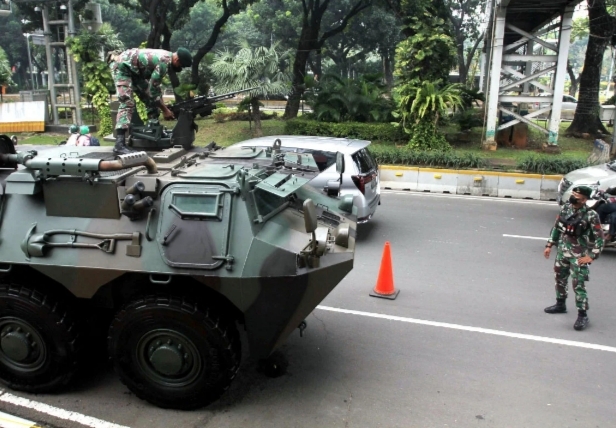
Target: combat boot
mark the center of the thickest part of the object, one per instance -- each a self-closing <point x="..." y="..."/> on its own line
<point x="559" y="308"/>
<point x="120" y="144"/>
<point x="582" y="321"/>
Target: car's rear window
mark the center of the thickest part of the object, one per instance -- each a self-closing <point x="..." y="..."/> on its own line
<point x="322" y="158"/>
<point x="364" y="161"/>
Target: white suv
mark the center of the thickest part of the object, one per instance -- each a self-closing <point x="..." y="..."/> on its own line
<point x="361" y="176"/>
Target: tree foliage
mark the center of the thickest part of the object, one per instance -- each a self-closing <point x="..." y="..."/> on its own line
<point x="5" y="69"/>
<point x="427" y="55"/>
<point x="465" y="17"/>
<point x="86" y="48"/>
<point x="134" y="28"/>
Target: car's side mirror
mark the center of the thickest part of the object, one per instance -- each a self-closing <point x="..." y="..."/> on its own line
<point x="310" y="216"/>
<point x="340" y="163"/>
<point x="332" y="188"/>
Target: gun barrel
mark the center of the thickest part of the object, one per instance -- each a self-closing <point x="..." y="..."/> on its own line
<point x="203" y="104"/>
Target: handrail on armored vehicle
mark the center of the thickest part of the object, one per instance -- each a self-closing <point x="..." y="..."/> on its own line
<point x="76" y="165"/>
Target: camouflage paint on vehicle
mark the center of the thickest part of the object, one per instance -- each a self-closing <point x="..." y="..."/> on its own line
<point x="223" y="231"/>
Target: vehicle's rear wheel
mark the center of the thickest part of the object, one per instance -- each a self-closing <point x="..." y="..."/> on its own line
<point x="172" y="353"/>
<point x="38" y="340"/>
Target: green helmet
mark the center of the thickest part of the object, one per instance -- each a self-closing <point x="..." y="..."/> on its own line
<point x="83" y="129"/>
<point x="73" y="129"/>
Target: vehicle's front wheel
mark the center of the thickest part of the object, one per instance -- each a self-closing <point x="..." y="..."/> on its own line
<point x="172" y="353"/>
<point x="38" y="340"/>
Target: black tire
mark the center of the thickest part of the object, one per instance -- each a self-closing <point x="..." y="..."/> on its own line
<point x="144" y="344"/>
<point x="39" y="340"/>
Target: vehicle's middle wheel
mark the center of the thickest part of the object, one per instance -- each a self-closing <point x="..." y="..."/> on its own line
<point x="173" y="354"/>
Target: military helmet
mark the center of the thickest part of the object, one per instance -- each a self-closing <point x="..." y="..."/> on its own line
<point x="73" y="129"/>
<point x="83" y="129"/>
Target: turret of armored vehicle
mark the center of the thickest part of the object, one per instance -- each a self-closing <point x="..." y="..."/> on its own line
<point x="184" y="248"/>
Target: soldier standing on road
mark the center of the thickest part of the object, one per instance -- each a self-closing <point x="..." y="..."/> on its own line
<point x="142" y="71"/>
<point x="579" y="236"/>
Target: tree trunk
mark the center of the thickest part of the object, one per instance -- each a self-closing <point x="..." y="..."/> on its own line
<point x="463" y="72"/>
<point x="388" y="71"/>
<point x="156" y="14"/>
<point x="299" y="72"/>
<point x="575" y="80"/>
<point x="586" y="119"/>
<point x="228" y="11"/>
<point x="256" y="117"/>
<point x="309" y="40"/>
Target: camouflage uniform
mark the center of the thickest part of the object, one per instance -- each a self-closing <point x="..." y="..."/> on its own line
<point x="586" y="241"/>
<point x="142" y="71"/>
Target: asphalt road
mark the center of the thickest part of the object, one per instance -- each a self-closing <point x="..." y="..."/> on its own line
<point x="465" y="344"/>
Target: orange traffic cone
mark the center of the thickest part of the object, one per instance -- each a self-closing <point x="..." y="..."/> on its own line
<point x="385" y="282"/>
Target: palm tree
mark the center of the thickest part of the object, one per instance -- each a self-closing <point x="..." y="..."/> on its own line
<point x="252" y="67"/>
<point x="431" y="101"/>
<point x="340" y="100"/>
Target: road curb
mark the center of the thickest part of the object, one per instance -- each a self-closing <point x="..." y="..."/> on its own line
<point x="471" y="182"/>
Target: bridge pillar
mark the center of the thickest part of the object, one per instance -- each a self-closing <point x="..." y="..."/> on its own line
<point x="516" y="59"/>
<point x="564" y="36"/>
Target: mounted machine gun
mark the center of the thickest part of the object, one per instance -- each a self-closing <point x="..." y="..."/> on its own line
<point x="154" y="136"/>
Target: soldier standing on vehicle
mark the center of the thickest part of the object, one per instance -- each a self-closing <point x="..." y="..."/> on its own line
<point x="142" y="71"/>
<point x="579" y="237"/>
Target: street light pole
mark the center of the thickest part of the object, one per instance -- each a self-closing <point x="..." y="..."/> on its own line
<point x="29" y="58"/>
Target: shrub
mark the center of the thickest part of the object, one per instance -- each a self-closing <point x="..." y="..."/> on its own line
<point x="335" y="99"/>
<point x="382" y="132"/>
<point x="425" y="136"/>
<point x="547" y="164"/>
<point x="467" y="119"/>
<point x="391" y="155"/>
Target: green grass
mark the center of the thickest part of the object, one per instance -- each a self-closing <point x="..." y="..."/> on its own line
<point x="231" y="132"/>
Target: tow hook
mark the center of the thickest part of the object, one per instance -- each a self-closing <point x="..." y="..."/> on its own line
<point x="302" y="326"/>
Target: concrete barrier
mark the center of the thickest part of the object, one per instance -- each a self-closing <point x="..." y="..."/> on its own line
<point x="477" y="183"/>
<point x="402" y="178"/>
<point x="471" y="182"/>
<point x="434" y="180"/>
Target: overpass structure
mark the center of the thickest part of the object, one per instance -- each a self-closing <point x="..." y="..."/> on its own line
<point x="527" y="39"/>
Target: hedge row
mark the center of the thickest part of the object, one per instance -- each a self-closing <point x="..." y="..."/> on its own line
<point x="388" y="155"/>
<point x="385" y="133"/>
<point x="549" y="164"/>
<point x="532" y="163"/>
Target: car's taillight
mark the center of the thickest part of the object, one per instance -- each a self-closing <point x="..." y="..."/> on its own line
<point x="361" y="181"/>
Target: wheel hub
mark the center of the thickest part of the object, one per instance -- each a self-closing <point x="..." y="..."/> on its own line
<point x="21" y="346"/>
<point x="15" y="345"/>
<point x="167" y="359"/>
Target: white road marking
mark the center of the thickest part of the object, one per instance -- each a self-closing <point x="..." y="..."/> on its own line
<point x="525" y="237"/>
<point x="473" y="329"/>
<point x="57" y="412"/>
<point x="469" y="197"/>
<point x="10" y="421"/>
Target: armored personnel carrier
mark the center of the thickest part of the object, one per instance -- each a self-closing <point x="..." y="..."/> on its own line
<point x="186" y="249"/>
